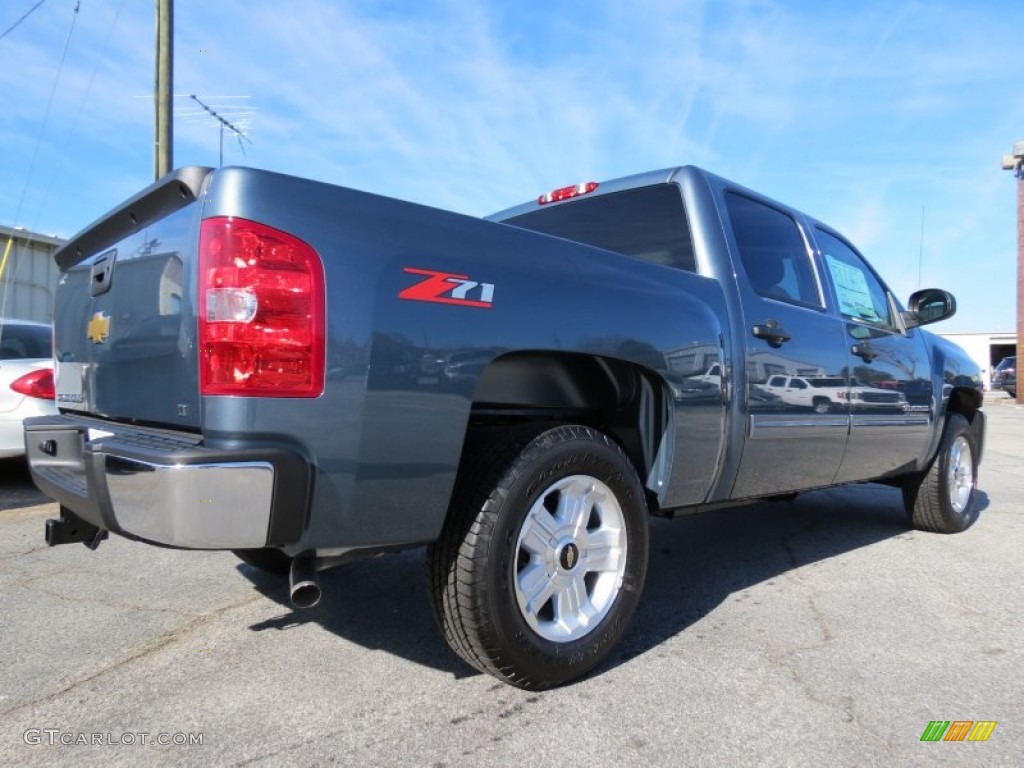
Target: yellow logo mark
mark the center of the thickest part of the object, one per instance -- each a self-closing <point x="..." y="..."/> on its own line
<point x="982" y="730"/>
<point x="99" y="328"/>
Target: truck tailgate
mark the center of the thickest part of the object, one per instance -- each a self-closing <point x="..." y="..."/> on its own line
<point x="125" y="331"/>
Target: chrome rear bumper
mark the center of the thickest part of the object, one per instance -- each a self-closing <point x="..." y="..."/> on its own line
<point x="167" y="488"/>
<point x="202" y="506"/>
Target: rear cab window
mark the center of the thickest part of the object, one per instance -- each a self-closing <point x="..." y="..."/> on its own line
<point x="25" y="342"/>
<point x="647" y="223"/>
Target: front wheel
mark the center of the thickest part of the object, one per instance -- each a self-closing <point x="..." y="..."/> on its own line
<point x="543" y="556"/>
<point x="942" y="498"/>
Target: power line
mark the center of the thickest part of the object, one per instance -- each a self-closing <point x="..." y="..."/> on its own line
<point x="81" y="106"/>
<point x="35" y="154"/>
<point x="46" y="113"/>
<point x="28" y="13"/>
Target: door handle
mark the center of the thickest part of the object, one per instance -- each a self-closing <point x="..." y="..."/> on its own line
<point x="772" y="333"/>
<point x="864" y="352"/>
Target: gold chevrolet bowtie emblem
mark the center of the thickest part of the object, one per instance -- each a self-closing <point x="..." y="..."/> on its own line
<point x="98" y="328"/>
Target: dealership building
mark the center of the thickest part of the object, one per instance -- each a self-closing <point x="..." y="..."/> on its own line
<point x="986" y="349"/>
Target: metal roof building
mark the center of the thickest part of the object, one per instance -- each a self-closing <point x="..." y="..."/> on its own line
<point x="29" y="275"/>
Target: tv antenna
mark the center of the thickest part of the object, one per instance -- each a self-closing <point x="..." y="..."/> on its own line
<point x="241" y="116"/>
<point x="920" y="253"/>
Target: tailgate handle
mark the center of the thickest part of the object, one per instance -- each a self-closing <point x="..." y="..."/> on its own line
<point x="102" y="273"/>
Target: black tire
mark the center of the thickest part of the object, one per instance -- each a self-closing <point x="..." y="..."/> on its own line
<point x="941" y="499"/>
<point x="488" y="553"/>
<point x="269" y="560"/>
<point x="822" y="405"/>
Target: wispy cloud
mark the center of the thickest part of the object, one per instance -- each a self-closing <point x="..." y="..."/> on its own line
<point x="859" y="113"/>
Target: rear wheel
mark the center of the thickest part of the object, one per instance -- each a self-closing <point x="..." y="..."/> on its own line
<point x="269" y="560"/>
<point x="822" y="405"/>
<point x="543" y="555"/>
<point x="942" y="498"/>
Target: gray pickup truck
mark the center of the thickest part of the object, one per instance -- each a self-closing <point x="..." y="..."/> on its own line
<point x="306" y="374"/>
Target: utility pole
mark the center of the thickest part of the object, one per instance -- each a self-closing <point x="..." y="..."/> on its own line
<point x="1015" y="163"/>
<point x="163" y="154"/>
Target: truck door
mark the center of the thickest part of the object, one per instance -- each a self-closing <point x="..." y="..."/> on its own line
<point x="790" y="444"/>
<point x="891" y="398"/>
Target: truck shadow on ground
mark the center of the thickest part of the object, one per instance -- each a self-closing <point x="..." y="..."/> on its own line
<point x="696" y="563"/>
<point x="16" y="487"/>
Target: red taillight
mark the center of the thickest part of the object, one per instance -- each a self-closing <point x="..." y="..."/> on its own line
<point x="261" y="312"/>
<point x="567" y="192"/>
<point x="38" y="383"/>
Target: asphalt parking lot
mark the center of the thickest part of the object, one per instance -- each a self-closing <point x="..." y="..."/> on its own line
<point x="816" y="632"/>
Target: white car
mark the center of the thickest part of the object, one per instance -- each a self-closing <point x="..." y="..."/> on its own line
<point x="26" y="380"/>
<point x="828" y="393"/>
<point x="822" y="393"/>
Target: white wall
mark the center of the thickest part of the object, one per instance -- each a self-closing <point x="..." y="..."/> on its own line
<point x="978" y="346"/>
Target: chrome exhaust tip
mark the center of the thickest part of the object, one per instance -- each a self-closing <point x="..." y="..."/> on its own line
<point x="304" y="582"/>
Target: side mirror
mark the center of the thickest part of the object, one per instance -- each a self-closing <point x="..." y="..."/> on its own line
<point x="929" y="305"/>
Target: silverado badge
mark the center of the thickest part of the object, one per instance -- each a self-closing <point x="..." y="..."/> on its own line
<point x="98" y="328"/>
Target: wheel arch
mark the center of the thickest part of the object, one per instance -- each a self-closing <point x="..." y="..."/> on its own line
<point x="965" y="400"/>
<point x="628" y="401"/>
<point x="956" y="384"/>
<point x="968" y="401"/>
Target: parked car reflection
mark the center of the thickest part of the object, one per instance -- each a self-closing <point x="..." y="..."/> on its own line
<point x="826" y="394"/>
<point x="691" y="388"/>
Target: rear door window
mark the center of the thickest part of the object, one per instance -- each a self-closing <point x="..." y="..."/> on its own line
<point x="774" y="254"/>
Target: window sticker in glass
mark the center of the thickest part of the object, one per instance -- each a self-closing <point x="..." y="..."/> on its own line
<point x="853" y="290"/>
<point x="861" y="295"/>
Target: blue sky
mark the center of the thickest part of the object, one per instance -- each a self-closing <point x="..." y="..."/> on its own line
<point x="862" y="114"/>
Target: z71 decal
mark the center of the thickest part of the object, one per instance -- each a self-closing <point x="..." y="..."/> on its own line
<point x="448" y="288"/>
